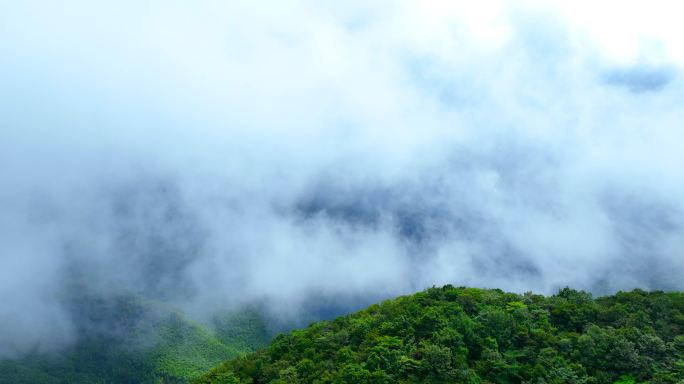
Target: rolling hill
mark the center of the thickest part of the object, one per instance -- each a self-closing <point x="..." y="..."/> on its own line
<point x="466" y="335"/>
<point x="130" y="339"/>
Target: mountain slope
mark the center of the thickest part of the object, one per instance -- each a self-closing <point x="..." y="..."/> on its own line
<point x="463" y="335"/>
<point x="130" y="339"/>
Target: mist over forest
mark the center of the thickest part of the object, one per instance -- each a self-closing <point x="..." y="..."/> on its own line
<point x="318" y="157"/>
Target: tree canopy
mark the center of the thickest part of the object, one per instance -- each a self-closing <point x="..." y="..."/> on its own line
<point x="467" y="335"/>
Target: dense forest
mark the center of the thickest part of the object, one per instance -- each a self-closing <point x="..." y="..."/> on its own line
<point x="466" y="335"/>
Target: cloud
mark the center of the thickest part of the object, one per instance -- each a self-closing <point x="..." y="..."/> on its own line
<point x="639" y="79"/>
<point x="212" y="155"/>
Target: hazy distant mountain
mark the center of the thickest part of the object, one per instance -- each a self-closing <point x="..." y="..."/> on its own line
<point x="129" y="339"/>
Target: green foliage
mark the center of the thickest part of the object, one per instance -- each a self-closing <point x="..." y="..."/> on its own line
<point x="466" y="335"/>
<point x="625" y="380"/>
<point x="139" y="341"/>
<point x="185" y="350"/>
<point x="244" y="329"/>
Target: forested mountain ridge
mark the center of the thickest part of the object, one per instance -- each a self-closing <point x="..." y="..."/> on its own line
<point x="128" y="339"/>
<point x="467" y="335"/>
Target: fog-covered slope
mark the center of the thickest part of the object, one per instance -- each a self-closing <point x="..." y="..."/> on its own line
<point x="129" y="339"/>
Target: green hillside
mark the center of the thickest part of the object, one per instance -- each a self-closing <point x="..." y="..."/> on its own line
<point x="130" y="339"/>
<point x="465" y="335"/>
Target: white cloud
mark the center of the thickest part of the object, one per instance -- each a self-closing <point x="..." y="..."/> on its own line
<point x="249" y="152"/>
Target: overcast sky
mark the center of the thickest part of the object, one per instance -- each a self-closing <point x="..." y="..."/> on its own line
<point x="211" y="154"/>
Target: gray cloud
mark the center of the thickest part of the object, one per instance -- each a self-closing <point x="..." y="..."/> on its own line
<point x="225" y="154"/>
<point x="640" y="78"/>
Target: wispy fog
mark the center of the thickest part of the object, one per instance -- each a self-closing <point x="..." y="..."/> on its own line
<point x="211" y="155"/>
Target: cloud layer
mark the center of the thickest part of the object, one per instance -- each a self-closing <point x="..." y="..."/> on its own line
<point x="210" y="155"/>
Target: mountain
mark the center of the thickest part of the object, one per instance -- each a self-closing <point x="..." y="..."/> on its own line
<point x="466" y="335"/>
<point x="131" y="339"/>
